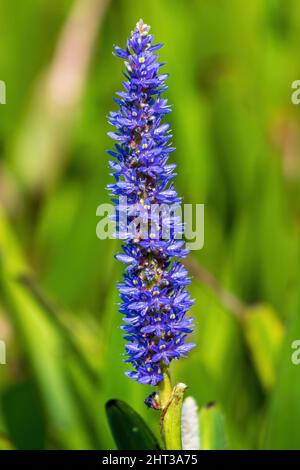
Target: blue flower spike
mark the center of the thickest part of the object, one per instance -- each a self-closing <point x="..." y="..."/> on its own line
<point x="154" y="299"/>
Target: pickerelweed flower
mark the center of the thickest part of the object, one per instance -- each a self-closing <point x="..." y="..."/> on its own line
<point x="154" y="296"/>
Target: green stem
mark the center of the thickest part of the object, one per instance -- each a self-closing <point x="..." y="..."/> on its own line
<point x="171" y="404"/>
<point x="165" y="390"/>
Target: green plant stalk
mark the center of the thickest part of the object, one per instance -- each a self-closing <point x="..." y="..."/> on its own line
<point x="171" y="405"/>
<point x="165" y="390"/>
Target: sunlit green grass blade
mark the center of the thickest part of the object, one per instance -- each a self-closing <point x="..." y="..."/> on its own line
<point x="284" y="407"/>
<point x="212" y="428"/>
<point x="264" y="334"/>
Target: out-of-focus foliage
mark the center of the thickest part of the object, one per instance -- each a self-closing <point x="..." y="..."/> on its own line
<point x="212" y="429"/>
<point x="231" y="66"/>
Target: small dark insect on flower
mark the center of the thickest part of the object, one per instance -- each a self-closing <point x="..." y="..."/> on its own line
<point x="153" y="401"/>
<point x="153" y="293"/>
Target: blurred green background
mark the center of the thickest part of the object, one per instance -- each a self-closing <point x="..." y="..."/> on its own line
<point x="231" y="66"/>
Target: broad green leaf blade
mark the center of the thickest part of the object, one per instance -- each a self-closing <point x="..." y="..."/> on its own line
<point x="212" y="428"/>
<point x="264" y="334"/>
<point x="128" y="428"/>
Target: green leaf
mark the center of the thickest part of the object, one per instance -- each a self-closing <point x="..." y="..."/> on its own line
<point x="24" y="416"/>
<point x="43" y="346"/>
<point x="128" y="428"/>
<point x="5" y="443"/>
<point x="264" y="334"/>
<point x="282" y="431"/>
<point x="212" y="428"/>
